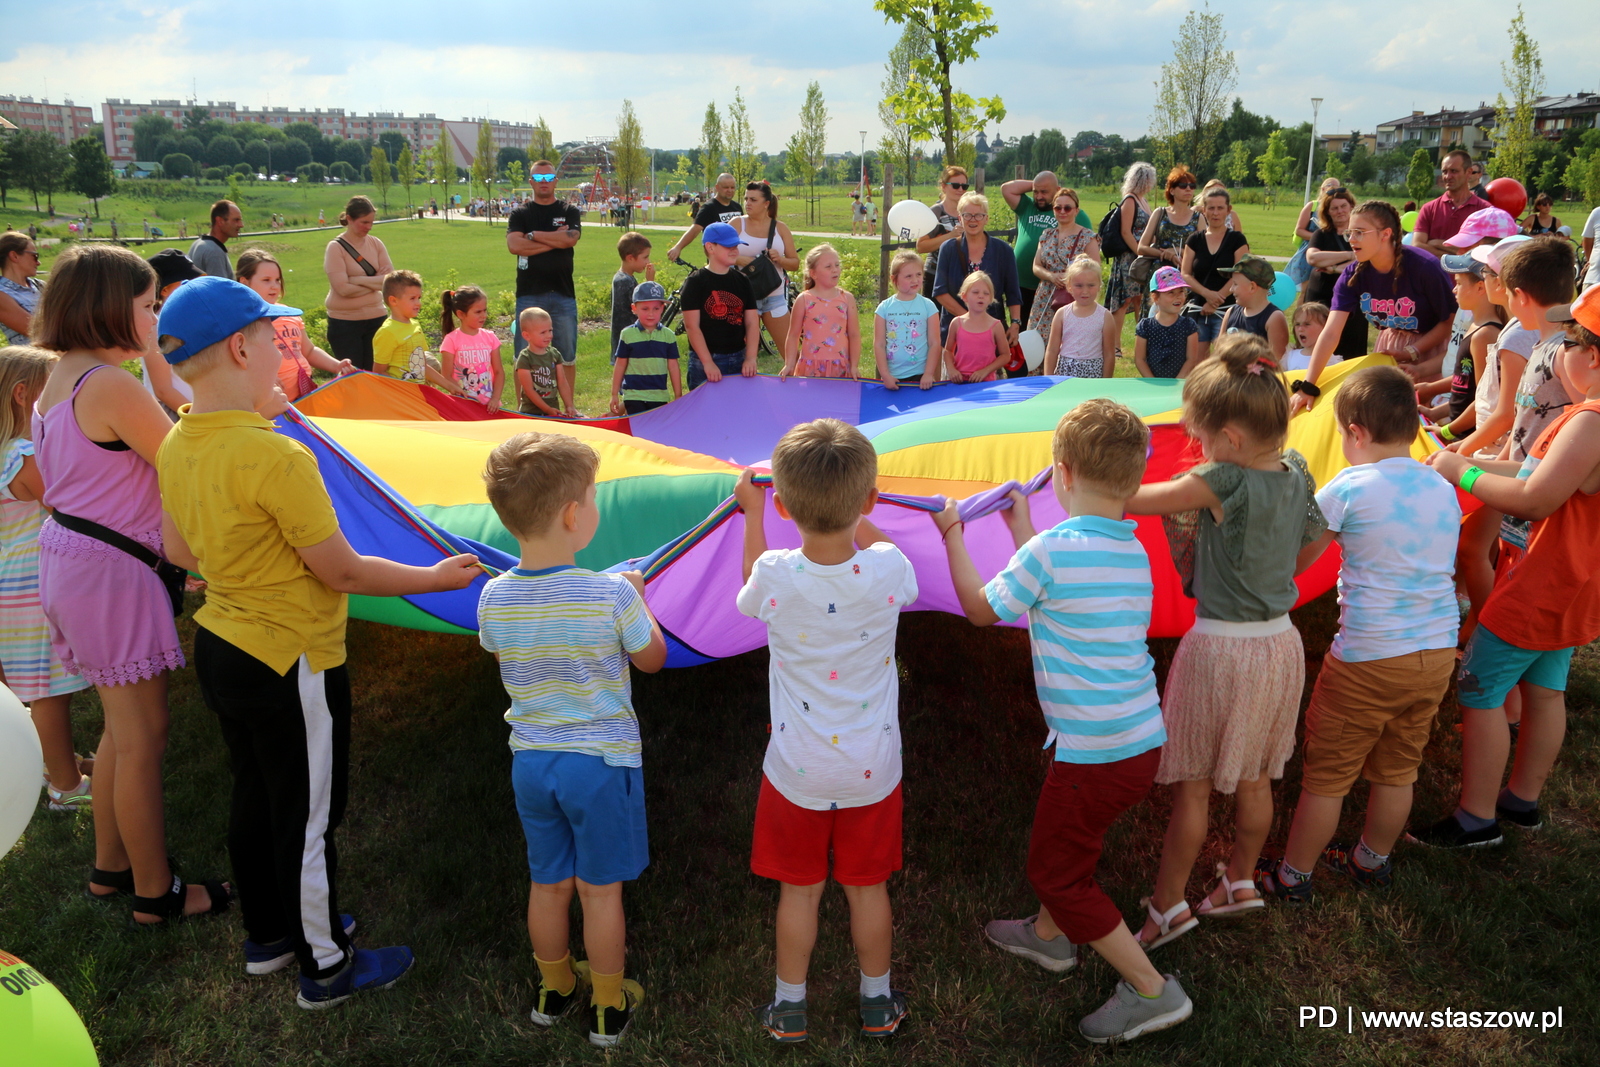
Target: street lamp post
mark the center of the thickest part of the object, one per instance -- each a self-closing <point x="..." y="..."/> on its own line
<point x="1311" y="155"/>
<point x="862" y="185"/>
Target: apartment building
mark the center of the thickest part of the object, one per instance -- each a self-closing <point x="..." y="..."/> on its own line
<point x="66" y="121"/>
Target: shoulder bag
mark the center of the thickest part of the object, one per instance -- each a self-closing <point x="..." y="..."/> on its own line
<point x="1143" y="267"/>
<point x="172" y="576"/>
<point x="360" y="260"/>
<point x="764" y="276"/>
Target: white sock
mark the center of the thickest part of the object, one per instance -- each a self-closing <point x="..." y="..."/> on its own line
<point x="794" y="994"/>
<point x="875" y="987"/>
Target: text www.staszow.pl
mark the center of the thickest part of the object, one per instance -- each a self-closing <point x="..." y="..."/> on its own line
<point x="1325" y="1016"/>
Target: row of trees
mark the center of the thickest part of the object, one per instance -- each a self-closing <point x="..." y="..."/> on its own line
<point x="35" y="161"/>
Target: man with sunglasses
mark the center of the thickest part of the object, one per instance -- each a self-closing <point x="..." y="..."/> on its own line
<point x="1032" y="201"/>
<point x="541" y="234"/>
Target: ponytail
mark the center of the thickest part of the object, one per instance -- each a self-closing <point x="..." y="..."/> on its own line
<point x="457" y="301"/>
<point x="1238" y="384"/>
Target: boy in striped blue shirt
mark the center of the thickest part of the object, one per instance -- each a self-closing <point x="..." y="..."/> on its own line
<point x="564" y="637"/>
<point x="1085" y="587"/>
<point x="646" y="356"/>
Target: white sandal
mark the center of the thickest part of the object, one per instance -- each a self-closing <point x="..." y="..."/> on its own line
<point x="1163" y="921"/>
<point x="1232" y="907"/>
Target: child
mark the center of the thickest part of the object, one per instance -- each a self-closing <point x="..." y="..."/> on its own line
<point x="646" y="356"/>
<point x="901" y="326"/>
<point x="470" y="354"/>
<point x="1310" y="319"/>
<point x="1241" y="526"/>
<point x="535" y="369"/>
<point x="247" y="507"/>
<point x="1253" y="311"/>
<point x="1167" y="343"/>
<point x="1083" y="335"/>
<point x="1546" y="602"/>
<point x="399" y="348"/>
<point x="719" y="311"/>
<point x="1086" y="589"/>
<point x="1472" y="351"/>
<point x="825" y="340"/>
<point x="564" y="637"/>
<point x="634" y="251"/>
<point x="262" y="273"/>
<point x="1376" y="696"/>
<point x="830" y="784"/>
<point x="28" y="666"/>
<point x="975" y="344"/>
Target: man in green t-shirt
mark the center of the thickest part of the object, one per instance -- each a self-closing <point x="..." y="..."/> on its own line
<point x="1032" y="201"/>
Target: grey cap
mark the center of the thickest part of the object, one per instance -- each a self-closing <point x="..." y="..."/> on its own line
<point x="648" y="291"/>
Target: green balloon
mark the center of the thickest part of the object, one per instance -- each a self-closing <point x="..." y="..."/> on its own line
<point x="38" y="1028"/>
<point x="1408" y="221"/>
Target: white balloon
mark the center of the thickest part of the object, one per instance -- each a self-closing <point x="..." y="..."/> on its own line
<point x="911" y="219"/>
<point x="21" y="766"/>
<point x="1032" y="342"/>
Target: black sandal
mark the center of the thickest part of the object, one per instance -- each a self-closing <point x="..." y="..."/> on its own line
<point x="119" y="881"/>
<point x="170" y="905"/>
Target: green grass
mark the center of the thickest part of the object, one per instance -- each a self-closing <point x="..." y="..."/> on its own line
<point x="432" y="856"/>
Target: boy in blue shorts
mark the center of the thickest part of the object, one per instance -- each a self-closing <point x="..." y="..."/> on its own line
<point x="564" y="636"/>
<point x="1085" y="587"/>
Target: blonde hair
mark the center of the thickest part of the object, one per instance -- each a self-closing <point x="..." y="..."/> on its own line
<point x="814" y="257"/>
<point x="1316" y="312"/>
<point x="1138" y="179"/>
<point x="1238" y="385"/>
<point x="528" y="316"/>
<point x="20" y="365"/>
<point x="398" y="280"/>
<point x="970" y="198"/>
<point x="198" y="365"/>
<point x="532" y="476"/>
<point x="903" y="258"/>
<point x="1082" y="264"/>
<point x="824" y="471"/>
<point x="1104" y="444"/>
<point x="973" y="279"/>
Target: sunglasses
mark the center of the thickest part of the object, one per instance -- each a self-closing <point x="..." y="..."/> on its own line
<point x="541" y="177"/>
<point x="1068" y="209"/>
<point x="959" y="185"/>
<point x="1567" y="342"/>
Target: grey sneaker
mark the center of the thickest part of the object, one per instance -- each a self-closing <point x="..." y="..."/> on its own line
<point x="1127" y="1015"/>
<point x="1017" y="937"/>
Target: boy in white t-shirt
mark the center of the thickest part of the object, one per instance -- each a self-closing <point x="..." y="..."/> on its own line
<point x="1376" y="696"/>
<point x="831" y="779"/>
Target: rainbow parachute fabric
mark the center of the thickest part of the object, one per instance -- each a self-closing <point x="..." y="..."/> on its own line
<point x="403" y="465"/>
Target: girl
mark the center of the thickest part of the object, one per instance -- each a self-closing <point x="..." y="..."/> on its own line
<point x="261" y="272"/>
<point x="1472" y="352"/>
<point x="1083" y="340"/>
<point x="470" y="354"/>
<point x="975" y="345"/>
<point x="902" y="326"/>
<point x="826" y="339"/>
<point x="95" y="434"/>
<point x="1309" y="321"/>
<point x="29" y="667"/>
<point x="1241" y="526"/>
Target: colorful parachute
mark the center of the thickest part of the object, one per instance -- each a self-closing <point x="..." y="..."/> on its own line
<point x="403" y="464"/>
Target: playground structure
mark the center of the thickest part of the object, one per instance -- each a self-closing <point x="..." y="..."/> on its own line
<point x="586" y="171"/>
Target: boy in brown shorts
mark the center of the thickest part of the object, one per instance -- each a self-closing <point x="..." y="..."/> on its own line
<point x="1380" y="685"/>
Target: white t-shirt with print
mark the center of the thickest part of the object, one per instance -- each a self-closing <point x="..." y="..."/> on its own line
<point x="835" y="694"/>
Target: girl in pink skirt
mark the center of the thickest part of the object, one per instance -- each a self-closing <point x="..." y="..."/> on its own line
<point x="95" y="435"/>
<point x="1238" y="525"/>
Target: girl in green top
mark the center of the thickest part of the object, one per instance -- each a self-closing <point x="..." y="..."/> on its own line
<point x="1241" y="526"/>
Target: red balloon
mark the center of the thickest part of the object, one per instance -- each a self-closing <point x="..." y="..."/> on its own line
<point x="1508" y="195"/>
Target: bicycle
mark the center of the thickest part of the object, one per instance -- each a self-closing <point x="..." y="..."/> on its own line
<point x="674" y="306"/>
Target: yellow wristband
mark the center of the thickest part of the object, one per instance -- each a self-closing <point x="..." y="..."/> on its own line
<point x="1446" y="434"/>
<point x="1469" y="478"/>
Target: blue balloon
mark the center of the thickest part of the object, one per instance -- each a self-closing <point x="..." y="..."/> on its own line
<point x="1284" y="290"/>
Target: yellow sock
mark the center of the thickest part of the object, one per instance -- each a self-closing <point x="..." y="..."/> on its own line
<point x="558" y="975"/>
<point x="607" y="990"/>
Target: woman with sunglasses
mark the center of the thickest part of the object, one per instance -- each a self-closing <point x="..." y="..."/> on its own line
<point x="953" y="185"/>
<point x="1171" y="226"/>
<point x="19" y="289"/>
<point x="1057" y="249"/>
<point x="973" y="250"/>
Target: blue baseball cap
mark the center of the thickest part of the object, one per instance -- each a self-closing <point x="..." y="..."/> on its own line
<point x="649" y="291"/>
<point x="720" y="233"/>
<point x="207" y="310"/>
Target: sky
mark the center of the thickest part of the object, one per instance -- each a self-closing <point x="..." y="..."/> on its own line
<point x="1068" y="64"/>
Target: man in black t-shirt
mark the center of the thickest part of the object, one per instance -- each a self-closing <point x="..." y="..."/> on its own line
<point x="541" y="234"/>
<point x="719" y="312"/>
<point x="722" y="209"/>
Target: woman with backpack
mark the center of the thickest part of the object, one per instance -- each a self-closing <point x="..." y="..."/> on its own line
<point x="356" y="264"/>
<point x="1169" y="228"/>
<point x="1132" y="216"/>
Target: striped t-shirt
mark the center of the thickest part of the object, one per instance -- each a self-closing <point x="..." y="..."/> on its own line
<point x="645" y="378"/>
<point x="563" y="635"/>
<point x="1085" y="587"/>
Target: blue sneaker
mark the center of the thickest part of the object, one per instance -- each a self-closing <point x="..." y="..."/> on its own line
<point x="276" y="955"/>
<point x="367" y="969"/>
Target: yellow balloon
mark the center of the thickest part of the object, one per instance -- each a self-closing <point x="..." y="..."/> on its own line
<point x="38" y="1028"/>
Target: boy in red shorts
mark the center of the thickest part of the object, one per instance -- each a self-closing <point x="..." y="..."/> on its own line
<point x="831" y="779"/>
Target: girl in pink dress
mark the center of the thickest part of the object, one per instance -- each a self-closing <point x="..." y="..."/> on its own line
<point x="975" y="345"/>
<point x="825" y="340"/>
<point x="469" y="353"/>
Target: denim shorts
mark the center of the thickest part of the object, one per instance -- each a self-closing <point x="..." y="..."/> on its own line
<point x="775" y="303"/>
<point x="1493" y="666"/>
<point x="1210" y="325"/>
<point x="581" y="816"/>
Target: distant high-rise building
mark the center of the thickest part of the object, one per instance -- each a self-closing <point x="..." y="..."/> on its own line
<point x="66" y="121"/>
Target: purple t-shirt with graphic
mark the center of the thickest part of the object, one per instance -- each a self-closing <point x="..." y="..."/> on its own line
<point x="1418" y="300"/>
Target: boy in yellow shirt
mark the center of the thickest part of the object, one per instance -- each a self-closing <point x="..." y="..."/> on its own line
<point x="247" y="508"/>
<point x="400" y="348"/>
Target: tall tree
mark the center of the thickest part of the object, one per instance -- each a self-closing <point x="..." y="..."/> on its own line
<point x="483" y="162"/>
<point x="1237" y="163"/>
<point x="1049" y="151"/>
<point x="812" y="145"/>
<point x="8" y="169"/>
<point x="1192" y="95"/>
<point x="929" y="102"/>
<point x="91" y="170"/>
<point x="405" y="170"/>
<point x="40" y="163"/>
<point x="1514" y="135"/>
<point x="630" y="161"/>
<point x="392" y="141"/>
<point x="900" y="142"/>
<point x="540" y="144"/>
<point x="1420" y="178"/>
<point x="741" y="142"/>
<point x="444" y="168"/>
<point x="380" y="173"/>
<point x="1272" y="166"/>
<point x="147" y="133"/>
<point x="711" y="146"/>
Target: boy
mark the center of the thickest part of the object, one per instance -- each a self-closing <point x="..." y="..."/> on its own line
<point x="1168" y="341"/>
<point x="538" y="392"/>
<point x="564" y="637"/>
<point x="719" y="311"/>
<point x="1376" y="696"/>
<point x="400" y="348"/>
<point x="1085" y="586"/>
<point x="634" y="250"/>
<point x="1546" y="604"/>
<point x="1252" y="291"/>
<point x="246" y="507"/>
<point x="646" y="356"/>
<point x="831" y="779"/>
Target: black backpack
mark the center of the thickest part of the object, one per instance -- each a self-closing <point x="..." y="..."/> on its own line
<point x="1111" y="243"/>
